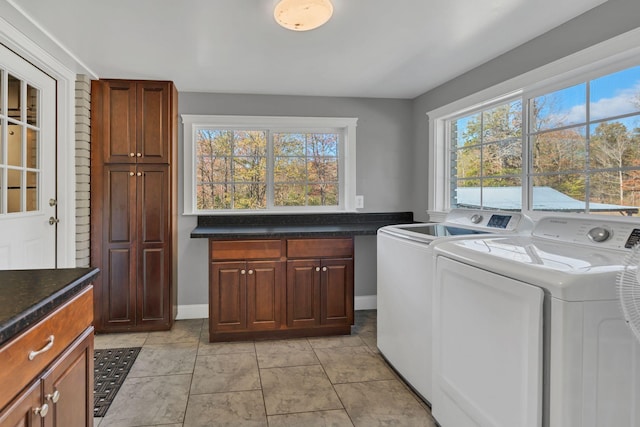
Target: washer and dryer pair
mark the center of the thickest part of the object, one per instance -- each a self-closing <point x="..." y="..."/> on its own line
<point x="405" y="272"/>
<point x="527" y="330"/>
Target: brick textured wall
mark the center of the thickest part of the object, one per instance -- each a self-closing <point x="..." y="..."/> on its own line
<point x="83" y="146"/>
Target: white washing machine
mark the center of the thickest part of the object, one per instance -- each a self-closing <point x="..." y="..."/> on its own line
<point x="528" y="329"/>
<point x="404" y="281"/>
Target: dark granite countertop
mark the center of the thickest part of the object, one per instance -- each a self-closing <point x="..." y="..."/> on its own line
<point x="300" y="225"/>
<point x="26" y="296"/>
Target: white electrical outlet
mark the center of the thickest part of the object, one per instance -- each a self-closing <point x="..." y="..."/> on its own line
<point x="359" y="202"/>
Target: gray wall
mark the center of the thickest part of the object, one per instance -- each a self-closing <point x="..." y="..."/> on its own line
<point x="383" y="172"/>
<point x="608" y="20"/>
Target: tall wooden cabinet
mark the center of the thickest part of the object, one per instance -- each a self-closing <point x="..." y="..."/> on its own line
<point x="134" y="203"/>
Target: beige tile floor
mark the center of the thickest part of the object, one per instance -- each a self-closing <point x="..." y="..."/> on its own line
<point x="180" y="379"/>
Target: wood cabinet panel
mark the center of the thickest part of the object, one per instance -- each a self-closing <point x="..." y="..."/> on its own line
<point x="20" y="413"/>
<point x="263" y="294"/>
<point x="153" y="218"/>
<point x="303" y="293"/>
<point x="119" y="126"/>
<point x="319" y="248"/>
<point x="118" y="287"/>
<point x="227" y="296"/>
<point x="154" y="122"/>
<point x="153" y="244"/>
<point x="244" y="249"/>
<point x="120" y="194"/>
<point x="68" y="386"/>
<point x="337" y="291"/>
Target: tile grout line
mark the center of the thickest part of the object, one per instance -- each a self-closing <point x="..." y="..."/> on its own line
<point x="333" y="387"/>
<point x="264" y="402"/>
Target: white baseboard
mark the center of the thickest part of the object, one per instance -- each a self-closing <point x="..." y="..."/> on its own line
<point x="366" y="302"/>
<point x="193" y="311"/>
<point x="201" y="311"/>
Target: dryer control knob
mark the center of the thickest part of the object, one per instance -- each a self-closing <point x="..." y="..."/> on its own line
<point x="599" y="234"/>
<point x="476" y="218"/>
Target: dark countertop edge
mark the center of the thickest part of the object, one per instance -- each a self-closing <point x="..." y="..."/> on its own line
<point x="33" y="314"/>
<point x="317" y="225"/>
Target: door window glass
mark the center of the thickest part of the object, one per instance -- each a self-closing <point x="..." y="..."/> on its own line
<point x="19" y="145"/>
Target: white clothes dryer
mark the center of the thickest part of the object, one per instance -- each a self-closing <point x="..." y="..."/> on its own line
<point x="528" y="331"/>
<point x="404" y="285"/>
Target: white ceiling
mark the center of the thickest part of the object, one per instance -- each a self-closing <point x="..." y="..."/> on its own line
<point x="370" y="48"/>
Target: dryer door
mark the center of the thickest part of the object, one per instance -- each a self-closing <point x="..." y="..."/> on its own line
<point x="487" y="348"/>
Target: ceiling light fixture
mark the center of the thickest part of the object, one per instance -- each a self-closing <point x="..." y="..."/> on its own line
<point x="302" y="15"/>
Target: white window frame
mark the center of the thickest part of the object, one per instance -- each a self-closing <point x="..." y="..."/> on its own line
<point x="347" y="155"/>
<point x="615" y="54"/>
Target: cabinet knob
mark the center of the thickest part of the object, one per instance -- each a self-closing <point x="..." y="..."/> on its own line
<point x="250" y="271"/>
<point x="317" y="268"/>
<point x="139" y="174"/>
<point x="42" y="411"/>
<point x="131" y="173"/>
<point x="139" y="154"/>
<point x="132" y="154"/>
<point x="324" y="268"/>
<point x="53" y="397"/>
<point x="243" y="272"/>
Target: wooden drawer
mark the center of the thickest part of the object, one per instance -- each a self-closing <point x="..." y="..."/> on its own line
<point x="65" y="325"/>
<point x="244" y="249"/>
<point x="319" y="248"/>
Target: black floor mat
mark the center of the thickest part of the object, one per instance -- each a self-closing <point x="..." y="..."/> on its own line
<point x="111" y="367"/>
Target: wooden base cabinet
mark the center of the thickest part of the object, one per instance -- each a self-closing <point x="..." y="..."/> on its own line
<point x="250" y="298"/>
<point x="62" y="394"/>
<point x="134" y="204"/>
<point x="246" y="294"/>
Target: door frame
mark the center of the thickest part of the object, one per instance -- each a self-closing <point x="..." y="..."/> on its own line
<point x="65" y="135"/>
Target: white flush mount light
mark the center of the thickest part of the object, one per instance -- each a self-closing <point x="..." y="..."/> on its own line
<point x="302" y="15"/>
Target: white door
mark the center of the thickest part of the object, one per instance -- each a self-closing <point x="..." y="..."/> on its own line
<point x="27" y="165"/>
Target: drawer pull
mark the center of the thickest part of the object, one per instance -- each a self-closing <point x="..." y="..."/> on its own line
<point x="317" y="268"/>
<point x="324" y="268"/>
<point x="33" y="354"/>
<point x="53" y="397"/>
<point x="42" y="411"/>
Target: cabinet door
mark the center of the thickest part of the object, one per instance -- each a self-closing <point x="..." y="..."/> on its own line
<point x="337" y="292"/>
<point x="68" y="386"/>
<point x="228" y="296"/>
<point x="264" y="280"/>
<point x="153" y="222"/>
<point x="119" y="241"/>
<point x="22" y="411"/>
<point x="154" y="122"/>
<point x="303" y="293"/>
<point x="118" y="120"/>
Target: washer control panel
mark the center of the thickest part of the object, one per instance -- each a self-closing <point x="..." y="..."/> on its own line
<point x="614" y="233"/>
<point x="488" y="220"/>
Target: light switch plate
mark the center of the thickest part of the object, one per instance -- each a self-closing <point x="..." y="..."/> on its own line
<point x="359" y="202"/>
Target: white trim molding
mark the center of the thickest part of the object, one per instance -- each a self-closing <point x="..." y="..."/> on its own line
<point x="365" y="302"/>
<point x="347" y="125"/>
<point x="65" y="84"/>
<point x="615" y="53"/>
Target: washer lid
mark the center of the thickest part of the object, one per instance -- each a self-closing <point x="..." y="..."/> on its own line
<point x="569" y="272"/>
